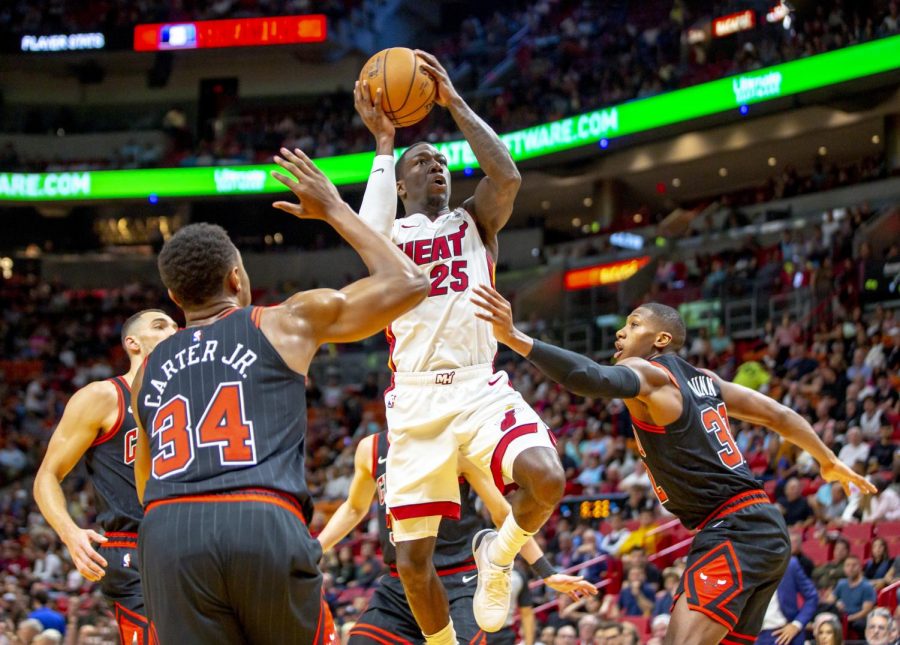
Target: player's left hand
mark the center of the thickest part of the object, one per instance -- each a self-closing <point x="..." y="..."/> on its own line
<point x="318" y="196"/>
<point x="573" y="586"/>
<point x="497" y="311"/>
<point x="444" y="92"/>
<point x="838" y="471"/>
<point x="784" y="635"/>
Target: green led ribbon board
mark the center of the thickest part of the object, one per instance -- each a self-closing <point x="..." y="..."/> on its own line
<point x="589" y="128"/>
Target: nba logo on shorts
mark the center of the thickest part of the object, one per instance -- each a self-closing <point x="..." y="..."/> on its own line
<point x="391" y="399"/>
<point x="444" y="378"/>
<point x="126" y="560"/>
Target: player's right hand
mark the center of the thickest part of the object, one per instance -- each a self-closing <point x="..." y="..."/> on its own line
<point x="318" y="196"/>
<point x="89" y="563"/>
<point x="371" y="111"/>
<point x="838" y="471"/>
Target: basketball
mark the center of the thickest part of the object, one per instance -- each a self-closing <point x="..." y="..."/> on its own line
<point x="407" y="91"/>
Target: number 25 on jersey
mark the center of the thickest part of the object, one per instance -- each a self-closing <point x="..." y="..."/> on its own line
<point x="222" y="426"/>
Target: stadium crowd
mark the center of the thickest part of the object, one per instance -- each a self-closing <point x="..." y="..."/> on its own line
<point x="502" y="62"/>
<point x="839" y="368"/>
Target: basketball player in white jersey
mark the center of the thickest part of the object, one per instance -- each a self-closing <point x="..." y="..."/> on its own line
<point x="445" y="398"/>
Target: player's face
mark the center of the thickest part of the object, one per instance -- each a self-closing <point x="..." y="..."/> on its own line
<point x="637" y="337"/>
<point x="151" y="329"/>
<point x="426" y="179"/>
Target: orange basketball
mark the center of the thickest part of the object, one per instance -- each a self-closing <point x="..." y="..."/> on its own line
<point x="407" y="92"/>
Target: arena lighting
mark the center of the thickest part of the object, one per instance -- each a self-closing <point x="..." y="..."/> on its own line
<point x="589" y="128"/>
<point x="603" y="274"/>
<point x="733" y="23"/>
<point x="239" y="32"/>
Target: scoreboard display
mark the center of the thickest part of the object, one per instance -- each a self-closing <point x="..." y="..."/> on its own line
<point x="240" y="32"/>
<point x="591" y="507"/>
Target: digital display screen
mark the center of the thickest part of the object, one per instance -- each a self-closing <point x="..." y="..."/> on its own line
<point x="239" y="32"/>
<point x="598" y="507"/>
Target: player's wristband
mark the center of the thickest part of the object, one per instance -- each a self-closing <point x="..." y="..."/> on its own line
<point x="542" y="568"/>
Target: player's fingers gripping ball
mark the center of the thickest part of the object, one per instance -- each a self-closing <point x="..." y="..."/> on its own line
<point x="407" y="91"/>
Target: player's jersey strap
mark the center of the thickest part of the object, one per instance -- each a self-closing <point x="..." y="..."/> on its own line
<point x="694" y="462"/>
<point x="223" y="411"/>
<point x="110" y="465"/>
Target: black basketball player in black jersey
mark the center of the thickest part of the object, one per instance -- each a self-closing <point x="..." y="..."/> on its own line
<point x="220" y="463"/>
<point x="98" y="424"/>
<point x="388" y="616"/>
<point x="680" y="417"/>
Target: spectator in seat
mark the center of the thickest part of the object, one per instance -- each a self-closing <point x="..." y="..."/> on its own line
<point x="854" y="595"/>
<point x="794" y="507"/>
<point x="828" y="631"/>
<point x="638" y="558"/>
<point x="636" y="597"/>
<point x="665" y="597"/>
<point x="855" y="450"/>
<point x="870" y="420"/>
<point x="630" y="635"/>
<point x="643" y="536"/>
<point x="27" y="630"/>
<point x="566" y="635"/>
<point x="48" y="617"/>
<point x="883" y="505"/>
<point x="587" y="625"/>
<point x="881" y="454"/>
<point x="829" y="504"/>
<point x="618" y="534"/>
<point x="607" y="634"/>
<point x="878" y="627"/>
<point x="797" y="551"/>
<point x="879" y="565"/>
<point x="833" y="569"/>
<point x="785" y="620"/>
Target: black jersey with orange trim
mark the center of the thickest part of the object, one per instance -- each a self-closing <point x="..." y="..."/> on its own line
<point x="110" y="465"/>
<point x="223" y="411"/>
<point x="453" y="548"/>
<point x="694" y="464"/>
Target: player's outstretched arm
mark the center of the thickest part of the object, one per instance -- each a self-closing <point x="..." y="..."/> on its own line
<point x="574" y="372"/>
<point x="82" y="421"/>
<point x="379" y="204"/>
<point x="395" y="284"/>
<point x="751" y="406"/>
<point x="492" y="203"/>
<point x="359" y="500"/>
<point x="499" y="508"/>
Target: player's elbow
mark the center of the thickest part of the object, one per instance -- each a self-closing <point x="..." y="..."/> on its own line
<point x="415" y="285"/>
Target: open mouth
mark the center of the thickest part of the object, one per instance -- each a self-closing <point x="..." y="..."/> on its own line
<point x="619" y="348"/>
<point x="439" y="180"/>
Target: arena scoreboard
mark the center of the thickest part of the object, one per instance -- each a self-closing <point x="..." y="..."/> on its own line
<point x="592" y="507"/>
<point x="239" y="32"/>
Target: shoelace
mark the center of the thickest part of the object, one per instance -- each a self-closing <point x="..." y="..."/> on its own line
<point x="497" y="585"/>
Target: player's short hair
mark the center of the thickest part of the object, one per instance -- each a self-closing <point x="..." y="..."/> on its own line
<point x="399" y="167"/>
<point x="128" y="324"/>
<point x="194" y="262"/>
<point x="669" y="320"/>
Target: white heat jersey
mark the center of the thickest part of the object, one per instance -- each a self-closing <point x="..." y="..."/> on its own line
<point x="443" y="332"/>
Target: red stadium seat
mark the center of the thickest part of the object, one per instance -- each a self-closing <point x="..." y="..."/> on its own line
<point x="858" y="532"/>
<point x="887" y="597"/>
<point x="816" y="551"/>
<point x="888" y="530"/>
<point x="859" y="549"/>
<point x="641" y="622"/>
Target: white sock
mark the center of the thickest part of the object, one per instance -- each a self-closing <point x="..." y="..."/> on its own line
<point x="446" y="636"/>
<point x="510" y="539"/>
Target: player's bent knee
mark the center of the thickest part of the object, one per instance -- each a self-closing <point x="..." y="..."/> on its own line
<point x="538" y="471"/>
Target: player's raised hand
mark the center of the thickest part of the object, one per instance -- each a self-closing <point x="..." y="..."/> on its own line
<point x="496" y="310"/>
<point x="838" y="471"/>
<point x="573" y="586"/>
<point x="371" y="111"/>
<point x="89" y="563"/>
<point x="317" y="194"/>
<point x="444" y="90"/>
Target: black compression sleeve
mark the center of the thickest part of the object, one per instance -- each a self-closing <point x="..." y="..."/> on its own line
<point x="583" y="376"/>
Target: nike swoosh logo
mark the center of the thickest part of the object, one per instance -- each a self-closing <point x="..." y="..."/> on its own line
<point x="494" y="382"/>
<point x="409" y="225"/>
<point x="378" y="170"/>
<point x="467" y="579"/>
<point x="382" y="460"/>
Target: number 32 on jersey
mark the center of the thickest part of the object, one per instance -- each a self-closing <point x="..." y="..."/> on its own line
<point x="223" y="426"/>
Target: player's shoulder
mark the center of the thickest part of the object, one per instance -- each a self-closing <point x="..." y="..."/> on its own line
<point x="94" y="399"/>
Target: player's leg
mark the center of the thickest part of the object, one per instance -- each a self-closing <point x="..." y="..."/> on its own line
<point x="423" y="487"/>
<point x="272" y="575"/>
<point x="387" y="619"/>
<point x="184" y="592"/>
<point x="424" y="592"/>
<point x="121" y="586"/>
<point x="691" y="627"/>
